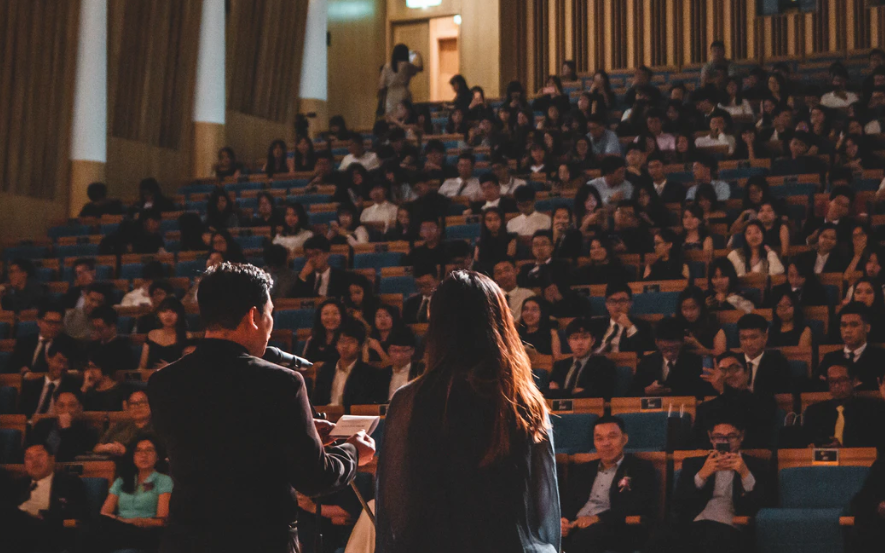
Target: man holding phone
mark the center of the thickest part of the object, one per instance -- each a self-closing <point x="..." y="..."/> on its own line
<point x="239" y="431"/>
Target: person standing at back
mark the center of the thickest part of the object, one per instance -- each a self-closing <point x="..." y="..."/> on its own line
<point x="396" y="76"/>
<point x="239" y="431"/>
<point x="467" y="463"/>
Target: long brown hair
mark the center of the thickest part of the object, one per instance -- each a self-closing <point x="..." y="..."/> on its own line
<point x="471" y="336"/>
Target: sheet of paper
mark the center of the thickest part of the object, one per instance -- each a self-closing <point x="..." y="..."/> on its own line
<point x="348" y="425"/>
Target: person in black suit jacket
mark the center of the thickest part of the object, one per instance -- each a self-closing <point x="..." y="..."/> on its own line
<point x="416" y="309"/>
<point x="826" y="254"/>
<point x="546" y="268"/>
<point x="237" y="466"/>
<point x="36" y="522"/>
<point x="349" y="381"/>
<point x="584" y="374"/>
<point x="769" y="371"/>
<point x="491" y="196"/>
<point x="838" y="213"/>
<point x="863" y="418"/>
<point x="66" y="435"/>
<point x="108" y="344"/>
<point x="618" y="331"/>
<point x="867" y="361"/>
<point x="671" y="370"/>
<point x="433" y="251"/>
<point x="317" y="277"/>
<point x="38" y="393"/>
<point x="668" y="191"/>
<point x="25" y="355"/>
<point x="802" y="281"/>
<point x="598" y="523"/>
<point x="734" y="400"/>
<point x="700" y="523"/>
<point x="868" y="508"/>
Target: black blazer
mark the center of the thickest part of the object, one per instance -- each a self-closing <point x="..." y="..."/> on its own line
<point x="870" y="367"/>
<point x="843" y="228"/>
<point x="673" y="193"/>
<point x="837" y="262"/>
<point x="597" y="378"/>
<point x="810" y="294"/>
<point x="689" y="501"/>
<point x="363" y="387"/>
<point x="554" y="271"/>
<point x="410" y="309"/>
<point x="31" y="389"/>
<point x="569" y="245"/>
<point x="67" y="497"/>
<point x="26" y="346"/>
<point x="641" y="341"/>
<point x="219" y="408"/>
<point x="757" y="412"/>
<point x="337" y="288"/>
<point x="684" y="378"/>
<point x="79" y="439"/>
<point x="864" y="420"/>
<point x="773" y="374"/>
<point x="639" y="500"/>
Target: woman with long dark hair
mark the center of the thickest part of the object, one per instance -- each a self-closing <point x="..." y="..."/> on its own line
<point x="166" y="343"/>
<point x="463" y="96"/>
<point x="537" y="329"/>
<point x="327" y="323"/>
<point x="668" y="264"/>
<point x="266" y="215"/>
<point x="305" y="157"/>
<point x="221" y="212"/>
<point x="495" y="243"/>
<point x="227" y="165"/>
<point x="703" y="335"/>
<point x="397" y="74"/>
<point x="278" y="161"/>
<point x="788" y="326"/>
<point x="295" y="230"/>
<point x="467" y="462"/>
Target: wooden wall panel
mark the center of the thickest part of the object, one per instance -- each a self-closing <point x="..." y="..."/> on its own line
<point x="38" y="56"/>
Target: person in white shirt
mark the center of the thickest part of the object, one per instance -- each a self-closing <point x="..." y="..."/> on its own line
<point x="612" y="185"/>
<point x="755" y="256"/>
<point x="140" y="295"/>
<point x="839" y="97"/>
<point x="349" y="381"/>
<point x="717" y="136"/>
<point x="504" y="274"/>
<point x="358" y="154"/>
<point x="465" y="184"/>
<point x="654" y="121"/>
<point x="381" y="211"/>
<point x="508" y="182"/>
<point x="342" y="231"/>
<point x="703" y="170"/>
<point x="294" y="232"/>
<point x="734" y="102"/>
<point x="528" y="221"/>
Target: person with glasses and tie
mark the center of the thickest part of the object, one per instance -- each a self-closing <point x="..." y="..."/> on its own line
<point x="867" y="361"/>
<point x="617" y="330"/>
<point x="671" y="370"/>
<point x="39" y="391"/>
<point x="711" y="490"/>
<point x="769" y="371"/>
<point x="417" y="308"/>
<point x="29" y="353"/>
<point x="583" y="374"/>
<point x="730" y="378"/>
<point x="845" y="420"/>
<point x="317" y="278"/>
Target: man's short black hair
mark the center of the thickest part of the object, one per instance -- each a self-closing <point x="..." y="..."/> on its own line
<point x="610" y="419"/>
<point x="228" y="291"/>
<point x="752" y="321"/>
<point x="596" y="118"/>
<point x="840" y="173"/>
<point x="524" y="194"/>
<point x="425" y="269"/>
<point x="106" y="313"/>
<point x="827" y="226"/>
<point x="324" y="154"/>
<point x="468" y="156"/>
<point x="105" y="361"/>
<point x="50" y="307"/>
<point x="434" y="145"/>
<point x="610" y="164"/>
<point x="669" y="330"/>
<point x="318" y="242"/>
<point x="59" y="346"/>
<point x="73" y="390"/>
<point x="842" y="190"/>
<point x="402" y="337"/>
<point x="579" y="325"/>
<point x="354" y="329"/>
<point x="97" y="191"/>
<point x="731" y="355"/>
<point x="543" y="234"/>
<point x="655" y="156"/>
<point x="856" y="308"/>
<point x="727" y="418"/>
<point x="151" y="213"/>
<point x="88" y="262"/>
<point x="24" y="265"/>
<point x="355" y="137"/>
<point x="717" y="44"/>
<point x="163" y="285"/>
<point x="489" y="177"/>
<point x="615" y="287"/>
<point x="707" y="161"/>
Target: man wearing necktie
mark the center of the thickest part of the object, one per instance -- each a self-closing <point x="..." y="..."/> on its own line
<point x="671" y="370"/>
<point x="417" y="308"/>
<point x="30" y="351"/>
<point x="769" y="371"/>
<point x="39" y="392"/>
<point x="465" y="184"/>
<point x="618" y="330"/>
<point x="867" y="361"/>
<point x="584" y="374"/>
<point x="317" y="278"/>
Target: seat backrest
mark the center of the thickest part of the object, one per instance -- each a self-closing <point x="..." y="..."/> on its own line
<point x="647" y="431"/>
<point x="10" y="446"/>
<point x="8" y="395"/>
<point x="573" y="433"/>
<point x="96" y="492"/>
<point x="820" y="487"/>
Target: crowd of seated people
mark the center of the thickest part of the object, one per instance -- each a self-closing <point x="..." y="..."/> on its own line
<point x="744" y="201"/>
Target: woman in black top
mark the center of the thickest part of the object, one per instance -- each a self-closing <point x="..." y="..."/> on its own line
<point x="495" y="243"/>
<point x="803" y="283"/>
<point x="151" y="197"/>
<point x="703" y="335"/>
<point x="463" y="96"/>
<point x="220" y="212"/>
<point x="668" y="265"/>
<point x="278" y="161"/>
<point x="591" y="217"/>
<point x="567" y="240"/>
<point x="552" y="95"/>
<point x="360" y="301"/>
<point x="223" y="242"/>
<point x="651" y="209"/>
<point x="305" y="158"/>
<point x="467" y="462"/>
<point x="604" y="265"/>
<point x="266" y="215"/>
<point x="385" y="322"/>
<point x="537" y="329"/>
<point x="788" y="326"/>
<point x="227" y="165"/>
<point x="321" y="346"/>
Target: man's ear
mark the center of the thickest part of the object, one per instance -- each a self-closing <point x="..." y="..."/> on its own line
<point x="253" y="317"/>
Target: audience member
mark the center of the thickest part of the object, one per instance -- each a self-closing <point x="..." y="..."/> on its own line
<point x="866" y="362"/>
<point x="65" y="435"/>
<point x="381" y="212"/>
<point x="584" y="374"/>
<point x="722" y="288"/>
<point x="416" y="309"/>
<point x="151" y="272"/>
<point x="31" y="351"/>
<point x="433" y="252"/>
<point x="788" y="328"/>
<point x="505" y="275"/>
<point x="78" y="321"/>
<point x="21" y="290"/>
<point x="403" y="368"/>
<point x="295" y="229"/>
<point x="99" y="204"/>
<point x="158" y="291"/>
<point x="165" y="344"/>
<point x="39" y="392"/>
<point x="769" y="371"/>
<point x="529" y="221"/>
<point x="101" y="390"/>
<point x="703" y="169"/>
<point x="317" y="277"/>
<point x="701" y="330"/>
<point x="227" y="166"/>
<point x="846" y="419"/>
<point x="495" y="243"/>
<point x="671" y="369"/>
<point x="537" y="329"/>
<point x="116" y="348"/>
<point x="465" y="184"/>
<point x="321" y="346"/>
<point x="612" y="185"/>
<point x="349" y="381"/>
<point x="121" y="436"/>
<point x="617" y="331"/>
<point x="546" y="268"/>
<point x="276" y="261"/>
<point x="84" y="275"/>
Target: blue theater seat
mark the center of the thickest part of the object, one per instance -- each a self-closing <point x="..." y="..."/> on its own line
<point x="10" y="446"/>
<point x="377" y="260"/>
<point x="8" y="396"/>
<point x="293" y="319"/>
<point x="573" y="433"/>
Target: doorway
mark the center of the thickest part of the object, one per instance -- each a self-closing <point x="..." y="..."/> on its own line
<point x="445" y="57"/>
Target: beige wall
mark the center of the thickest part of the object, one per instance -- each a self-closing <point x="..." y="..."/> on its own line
<point x="250" y="136"/>
<point x="27" y="218"/>
<point x="130" y="161"/>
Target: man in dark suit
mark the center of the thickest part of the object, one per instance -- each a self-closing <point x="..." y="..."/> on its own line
<point x="711" y="490"/>
<point x="416" y="308"/>
<point x="845" y="420"/>
<point x="867" y="362"/>
<point x="671" y="370"/>
<point x="433" y="251"/>
<point x="349" y="381"/>
<point x="826" y="256"/>
<point x="868" y="507"/>
<point x="769" y="371"/>
<point x="403" y="367"/>
<point x="43" y="499"/>
<point x="734" y="400"/>
<point x="107" y="343"/>
<point x="603" y="493"/>
<point x="318" y="278"/>
<point x="617" y="330"/>
<point x="838" y="213"/>
<point x="491" y="197"/>
<point x="236" y="470"/>
<point x="668" y="191"/>
<point x="66" y="435"/>
<point x="584" y="374"/>
<point x="39" y="392"/>
<point x="546" y="268"/>
<point x="429" y="204"/>
<point x="29" y="353"/>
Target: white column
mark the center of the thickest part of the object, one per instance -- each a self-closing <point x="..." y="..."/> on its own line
<point x="209" y="102"/>
<point x="314" y="65"/>
<point x="89" y="134"/>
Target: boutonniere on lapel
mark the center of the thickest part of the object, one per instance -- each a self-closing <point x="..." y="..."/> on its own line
<point x="147" y="486"/>
<point x="624" y="484"/>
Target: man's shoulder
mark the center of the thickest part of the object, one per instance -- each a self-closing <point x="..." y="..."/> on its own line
<point x="874" y="352"/>
<point x="563" y="363"/>
<point x="636" y="463"/>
